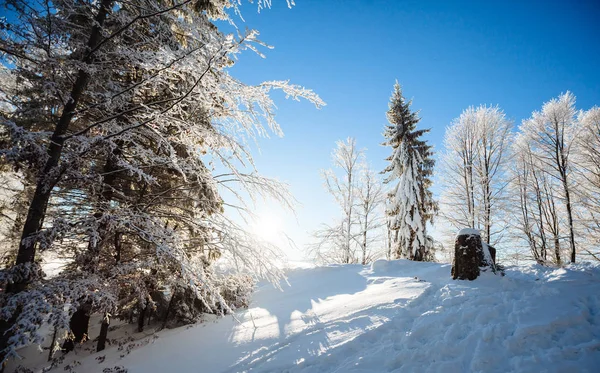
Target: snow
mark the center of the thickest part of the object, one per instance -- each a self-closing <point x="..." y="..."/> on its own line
<point x="392" y="316"/>
<point x="468" y="231"/>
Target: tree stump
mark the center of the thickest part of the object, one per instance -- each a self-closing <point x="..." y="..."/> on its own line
<point x="470" y="254"/>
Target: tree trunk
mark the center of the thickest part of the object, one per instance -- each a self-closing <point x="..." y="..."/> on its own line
<point x="349" y="204"/>
<point x="471" y="196"/>
<point x="141" y="318"/>
<point x="45" y="184"/>
<point x="488" y="213"/>
<point x="94" y="246"/>
<point x="389" y="239"/>
<point x="118" y="246"/>
<point x="398" y="248"/>
<point x="541" y="213"/>
<point x="570" y="219"/>
<point x="103" y="333"/>
<point x="79" y="326"/>
<point x="51" y="352"/>
<point x="557" y="250"/>
<point x="364" y="244"/>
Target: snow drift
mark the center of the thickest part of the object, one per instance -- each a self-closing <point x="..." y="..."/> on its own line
<point x="396" y="316"/>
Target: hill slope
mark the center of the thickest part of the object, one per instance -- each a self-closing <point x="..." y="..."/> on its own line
<point x="397" y="316"/>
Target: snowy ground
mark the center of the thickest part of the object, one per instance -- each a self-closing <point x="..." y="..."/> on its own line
<point x="397" y="316"/>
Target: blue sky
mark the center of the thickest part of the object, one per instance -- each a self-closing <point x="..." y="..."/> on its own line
<point x="447" y="55"/>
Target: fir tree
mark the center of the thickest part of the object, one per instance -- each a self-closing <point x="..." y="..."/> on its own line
<point x="411" y="164"/>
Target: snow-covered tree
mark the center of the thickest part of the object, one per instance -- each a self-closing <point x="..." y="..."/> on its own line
<point x="473" y="175"/>
<point x="120" y="113"/>
<point x="355" y="236"/>
<point x="368" y="211"/>
<point x="336" y="243"/>
<point x="411" y="164"/>
<point x="534" y="213"/>
<point x="550" y="133"/>
<point x="587" y="160"/>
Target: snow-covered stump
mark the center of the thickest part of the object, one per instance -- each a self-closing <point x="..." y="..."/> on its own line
<point x="470" y="253"/>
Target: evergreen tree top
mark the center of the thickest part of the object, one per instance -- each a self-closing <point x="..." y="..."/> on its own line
<point x="402" y="120"/>
<point x="402" y="129"/>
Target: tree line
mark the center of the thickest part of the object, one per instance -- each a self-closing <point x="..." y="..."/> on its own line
<point x="532" y="190"/>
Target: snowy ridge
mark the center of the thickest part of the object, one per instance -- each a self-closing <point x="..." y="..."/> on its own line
<point x="397" y="316"/>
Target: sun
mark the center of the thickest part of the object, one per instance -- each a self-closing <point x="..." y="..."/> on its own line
<point x="267" y="226"/>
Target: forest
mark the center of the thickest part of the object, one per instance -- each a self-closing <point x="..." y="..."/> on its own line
<point x="532" y="189"/>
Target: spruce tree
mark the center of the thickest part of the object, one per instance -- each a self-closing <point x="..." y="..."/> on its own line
<point x="411" y="165"/>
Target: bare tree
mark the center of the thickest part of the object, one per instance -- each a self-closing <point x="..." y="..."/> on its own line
<point x="494" y="138"/>
<point x="551" y="133"/>
<point x="370" y="200"/>
<point x="358" y="193"/>
<point x="457" y="204"/>
<point x="535" y="215"/>
<point x="587" y="159"/>
<point x="474" y="170"/>
<point x="342" y="184"/>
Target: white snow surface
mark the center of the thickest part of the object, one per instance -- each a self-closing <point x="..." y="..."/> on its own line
<point x="392" y="316"/>
<point x="468" y="231"/>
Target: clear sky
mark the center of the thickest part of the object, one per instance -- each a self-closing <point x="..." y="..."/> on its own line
<point x="447" y="55"/>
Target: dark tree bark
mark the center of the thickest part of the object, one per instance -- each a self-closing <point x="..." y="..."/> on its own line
<point x="94" y="246"/>
<point x="39" y="202"/>
<point x="103" y="333"/>
<point x="141" y="318"/>
<point x="79" y="326"/>
<point x="419" y="255"/>
<point x="570" y="220"/>
<point x="469" y="257"/>
<point x="45" y="184"/>
<point x="51" y="352"/>
<point x="364" y="246"/>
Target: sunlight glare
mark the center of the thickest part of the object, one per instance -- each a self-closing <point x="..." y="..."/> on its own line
<point x="268" y="226"/>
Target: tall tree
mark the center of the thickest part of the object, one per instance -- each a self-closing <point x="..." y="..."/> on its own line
<point x="411" y="164"/>
<point x="123" y="161"/>
<point x="475" y="160"/>
<point x="535" y="214"/>
<point x="337" y="243"/>
<point x="370" y="200"/>
<point x="551" y="133"/>
<point x="358" y="193"/>
<point x="587" y="159"/>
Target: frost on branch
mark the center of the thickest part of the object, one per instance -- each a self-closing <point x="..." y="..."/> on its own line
<point x="20" y="273"/>
<point x="51" y="302"/>
<point x="140" y="117"/>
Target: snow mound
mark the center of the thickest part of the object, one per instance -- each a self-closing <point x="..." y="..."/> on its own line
<point x="392" y="316"/>
<point x="380" y="265"/>
<point x="468" y="231"/>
